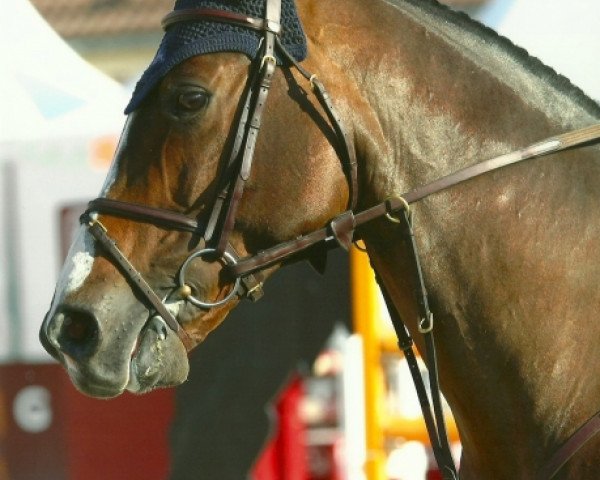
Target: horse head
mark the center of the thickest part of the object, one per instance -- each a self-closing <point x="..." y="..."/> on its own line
<point x="180" y="205"/>
<point x="200" y="208"/>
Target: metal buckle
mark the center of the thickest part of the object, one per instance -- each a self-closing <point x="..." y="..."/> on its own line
<point x="390" y="213"/>
<point x="312" y="79"/>
<point x="426" y="324"/>
<point x="92" y="219"/>
<point x="187" y="292"/>
<point x="267" y="58"/>
<point x="273" y="26"/>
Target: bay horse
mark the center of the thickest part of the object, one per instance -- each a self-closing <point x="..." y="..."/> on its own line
<point x="510" y="259"/>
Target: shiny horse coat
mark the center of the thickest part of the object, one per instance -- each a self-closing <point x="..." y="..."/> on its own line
<point x="509" y="259"/>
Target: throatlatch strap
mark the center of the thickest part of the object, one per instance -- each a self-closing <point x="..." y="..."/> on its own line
<point x="348" y="153"/>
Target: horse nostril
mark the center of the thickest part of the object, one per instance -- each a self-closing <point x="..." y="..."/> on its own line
<point x="77" y="329"/>
<point x="79" y="332"/>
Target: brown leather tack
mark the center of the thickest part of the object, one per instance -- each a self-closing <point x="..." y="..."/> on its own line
<point x="342" y="228"/>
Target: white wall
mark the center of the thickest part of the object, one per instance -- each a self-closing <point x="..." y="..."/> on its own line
<point x="55" y="107"/>
<point x="35" y="189"/>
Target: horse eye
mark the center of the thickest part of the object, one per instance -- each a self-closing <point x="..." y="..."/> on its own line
<point x="192" y="101"/>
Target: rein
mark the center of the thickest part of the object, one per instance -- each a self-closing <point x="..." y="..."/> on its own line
<point x="340" y="231"/>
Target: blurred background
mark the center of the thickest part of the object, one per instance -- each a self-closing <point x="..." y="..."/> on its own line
<point x="305" y="407"/>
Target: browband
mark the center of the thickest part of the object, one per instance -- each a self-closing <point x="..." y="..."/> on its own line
<point x="192" y="14"/>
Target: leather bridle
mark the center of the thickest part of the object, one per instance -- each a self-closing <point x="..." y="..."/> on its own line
<point x="246" y="273"/>
<point x="216" y="232"/>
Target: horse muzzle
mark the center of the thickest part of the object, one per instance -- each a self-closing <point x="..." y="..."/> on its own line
<point x="104" y="362"/>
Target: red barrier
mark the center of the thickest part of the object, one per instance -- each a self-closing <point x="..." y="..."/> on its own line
<point x="48" y="430"/>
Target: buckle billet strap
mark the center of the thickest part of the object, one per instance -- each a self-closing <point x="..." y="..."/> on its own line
<point x="431" y="417"/>
<point x="252" y="131"/>
<point x="267" y="69"/>
<point x="434" y="420"/>
<point x="225" y="181"/>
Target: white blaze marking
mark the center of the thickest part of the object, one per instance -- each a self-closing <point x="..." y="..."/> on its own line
<point x="80" y="259"/>
<point x="78" y="264"/>
<point x="82" y="266"/>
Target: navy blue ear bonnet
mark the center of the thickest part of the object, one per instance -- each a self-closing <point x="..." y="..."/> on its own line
<point x="188" y="39"/>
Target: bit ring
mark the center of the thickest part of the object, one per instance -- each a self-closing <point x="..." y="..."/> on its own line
<point x="228" y="259"/>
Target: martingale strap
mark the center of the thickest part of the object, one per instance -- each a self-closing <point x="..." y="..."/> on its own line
<point x="434" y="421"/>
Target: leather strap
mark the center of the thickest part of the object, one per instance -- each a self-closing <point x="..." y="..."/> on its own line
<point x="348" y="153"/>
<point x="136" y="280"/>
<point x="252" y="284"/>
<point x="224" y="16"/>
<point x="434" y="420"/>
<point x="142" y="213"/>
<point x="228" y="176"/>
<point x="570" y="448"/>
<point x="550" y="145"/>
<point x="278" y="253"/>
<point x="232" y="196"/>
<point x="267" y="70"/>
<point x="267" y="73"/>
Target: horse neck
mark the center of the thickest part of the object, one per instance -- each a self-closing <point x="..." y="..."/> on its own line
<point x="442" y="93"/>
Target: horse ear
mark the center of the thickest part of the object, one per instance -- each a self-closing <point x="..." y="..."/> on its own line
<point x="318" y="259"/>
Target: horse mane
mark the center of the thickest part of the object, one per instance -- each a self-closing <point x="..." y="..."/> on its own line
<point x="520" y="55"/>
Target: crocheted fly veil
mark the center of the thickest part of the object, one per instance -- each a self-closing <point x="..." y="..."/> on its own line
<point x="188" y="39"/>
